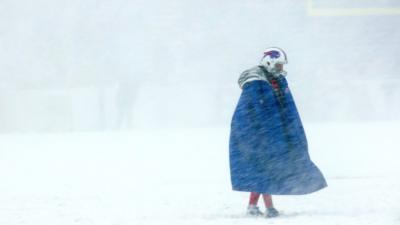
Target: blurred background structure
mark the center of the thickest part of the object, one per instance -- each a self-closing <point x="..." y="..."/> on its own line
<point x="110" y="65"/>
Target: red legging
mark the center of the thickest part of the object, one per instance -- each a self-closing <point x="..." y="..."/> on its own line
<point x="266" y="197"/>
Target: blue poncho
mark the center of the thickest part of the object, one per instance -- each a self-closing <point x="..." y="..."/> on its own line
<point x="268" y="146"/>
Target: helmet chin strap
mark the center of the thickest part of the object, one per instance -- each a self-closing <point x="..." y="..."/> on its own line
<point x="283" y="73"/>
<point x="276" y="73"/>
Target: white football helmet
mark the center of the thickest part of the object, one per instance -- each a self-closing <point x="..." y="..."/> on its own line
<point x="273" y="60"/>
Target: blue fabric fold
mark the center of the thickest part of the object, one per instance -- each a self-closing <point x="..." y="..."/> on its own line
<point x="268" y="149"/>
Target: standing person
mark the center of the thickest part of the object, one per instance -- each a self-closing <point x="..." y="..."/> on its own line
<point x="268" y="148"/>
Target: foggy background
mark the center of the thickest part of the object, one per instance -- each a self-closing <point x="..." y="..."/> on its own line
<point x="110" y="65"/>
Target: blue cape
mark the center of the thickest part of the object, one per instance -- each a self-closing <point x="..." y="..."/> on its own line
<point x="268" y="148"/>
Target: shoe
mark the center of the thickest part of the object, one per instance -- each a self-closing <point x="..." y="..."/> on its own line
<point x="272" y="212"/>
<point x="253" y="210"/>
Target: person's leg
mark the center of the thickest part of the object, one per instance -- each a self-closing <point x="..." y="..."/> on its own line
<point x="254" y="198"/>
<point x="268" y="201"/>
<point x="271" y="211"/>
<point x="253" y="209"/>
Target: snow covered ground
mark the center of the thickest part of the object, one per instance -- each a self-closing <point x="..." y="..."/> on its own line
<point x="181" y="176"/>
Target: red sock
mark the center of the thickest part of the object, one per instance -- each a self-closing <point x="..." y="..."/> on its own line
<point x="268" y="201"/>
<point x="254" y="198"/>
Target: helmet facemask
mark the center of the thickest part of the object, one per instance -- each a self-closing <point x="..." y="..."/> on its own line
<point x="277" y="69"/>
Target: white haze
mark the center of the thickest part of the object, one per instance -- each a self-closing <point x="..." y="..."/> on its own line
<point x="108" y="65"/>
<point x="118" y="112"/>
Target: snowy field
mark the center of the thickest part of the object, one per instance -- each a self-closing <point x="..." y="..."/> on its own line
<point x="181" y="176"/>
